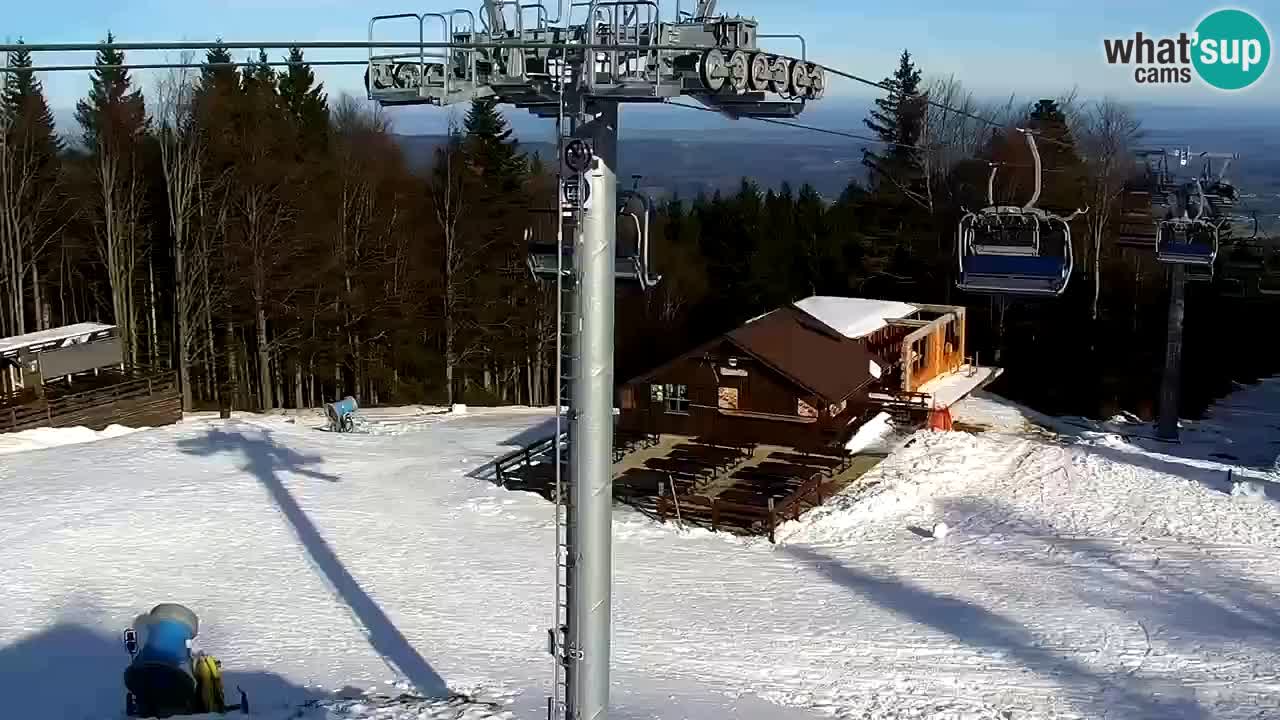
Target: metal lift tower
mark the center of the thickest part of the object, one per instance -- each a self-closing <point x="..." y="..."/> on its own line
<point x="578" y="67"/>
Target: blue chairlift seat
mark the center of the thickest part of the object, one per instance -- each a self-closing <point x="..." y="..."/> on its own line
<point x="1015" y="266"/>
<point x="1013" y="274"/>
<point x="1184" y="244"/>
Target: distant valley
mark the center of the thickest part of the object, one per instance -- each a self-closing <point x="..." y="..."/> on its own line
<point x="688" y="162"/>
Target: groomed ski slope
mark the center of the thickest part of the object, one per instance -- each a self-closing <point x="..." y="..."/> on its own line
<point x="1082" y="577"/>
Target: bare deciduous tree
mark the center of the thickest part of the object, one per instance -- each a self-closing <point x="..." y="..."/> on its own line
<point x="1107" y="133"/>
<point x="181" y="156"/>
<point x="459" y="257"/>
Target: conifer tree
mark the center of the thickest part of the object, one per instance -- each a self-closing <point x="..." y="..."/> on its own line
<point x="898" y="121"/>
<point x="27" y="111"/>
<point x="113" y="112"/>
<point x="218" y="72"/>
<point x="491" y="149"/>
<point x="32" y="204"/>
<point x="304" y="98"/>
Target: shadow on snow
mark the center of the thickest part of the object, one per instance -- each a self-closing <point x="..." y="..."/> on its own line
<point x="541" y="431"/>
<point x="1094" y="694"/>
<point x="72" y="671"/>
<point x="1198" y="602"/>
<point x="266" y="460"/>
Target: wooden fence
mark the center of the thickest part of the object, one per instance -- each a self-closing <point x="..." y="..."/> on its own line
<point x="146" y="401"/>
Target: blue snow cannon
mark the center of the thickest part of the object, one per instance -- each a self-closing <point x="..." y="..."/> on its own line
<point x="342" y="414"/>
<point x="164" y="678"/>
<point x="159" y="678"/>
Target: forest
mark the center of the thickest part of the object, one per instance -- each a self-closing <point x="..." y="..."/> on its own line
<point x="276" y="249"/>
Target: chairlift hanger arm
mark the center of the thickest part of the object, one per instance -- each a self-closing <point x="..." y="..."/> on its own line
<point x="1202" y="202"/>
<point x="1035" y="157"/>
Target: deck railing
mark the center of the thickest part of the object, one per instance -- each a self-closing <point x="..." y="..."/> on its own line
<point x="139" y="398"/>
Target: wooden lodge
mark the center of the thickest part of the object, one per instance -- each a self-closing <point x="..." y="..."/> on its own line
<point x="806" y="375"/>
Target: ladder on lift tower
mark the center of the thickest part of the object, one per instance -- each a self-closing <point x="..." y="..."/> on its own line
<point x="566" y="356"/>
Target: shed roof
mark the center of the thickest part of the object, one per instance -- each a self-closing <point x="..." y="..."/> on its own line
<point x="807" y="351"/>
<point x="855" y="317"/>
<point x="52" y="337"/>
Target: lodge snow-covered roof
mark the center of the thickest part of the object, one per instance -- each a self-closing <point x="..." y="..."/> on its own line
<point x="854" y="317"/>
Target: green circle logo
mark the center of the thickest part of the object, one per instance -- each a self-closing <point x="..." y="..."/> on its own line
<point x="1232" y="49"/>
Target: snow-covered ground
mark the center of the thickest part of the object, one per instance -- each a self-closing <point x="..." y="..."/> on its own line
<point x="1082" y="577"/>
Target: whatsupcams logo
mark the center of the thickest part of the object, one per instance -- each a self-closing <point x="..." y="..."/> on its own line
<point x="1229" y="50"/>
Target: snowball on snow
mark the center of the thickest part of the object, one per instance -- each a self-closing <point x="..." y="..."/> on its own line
<point x="1249" y="488"/>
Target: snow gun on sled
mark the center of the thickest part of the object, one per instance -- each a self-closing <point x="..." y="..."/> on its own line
<point x="342" y="414"/>
<point x="164" y="678"/>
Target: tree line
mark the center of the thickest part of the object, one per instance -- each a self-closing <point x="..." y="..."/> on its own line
<point x="275" y="250"/>
<point x="279" y="251"/>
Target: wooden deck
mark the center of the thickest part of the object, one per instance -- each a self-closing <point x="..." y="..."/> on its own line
<point x="774" y="485"/>
<point x="747" y="490"/>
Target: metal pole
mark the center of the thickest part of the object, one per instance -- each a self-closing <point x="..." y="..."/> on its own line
<point x="592" y="469"/>
<point x="1169" y="386"/>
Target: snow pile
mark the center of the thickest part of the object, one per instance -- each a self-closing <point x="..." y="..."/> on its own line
<point x="1249" y="489"/>
<point x="854" y="317"/>
<point x="46" y="437"/>
<point x="872" y="432"/>
<point x="995" y="482"/>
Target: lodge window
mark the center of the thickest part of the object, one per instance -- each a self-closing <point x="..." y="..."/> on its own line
<point x="804" y="409"/>
<point x="727" y="398"/>
<point x="674" y="397"/>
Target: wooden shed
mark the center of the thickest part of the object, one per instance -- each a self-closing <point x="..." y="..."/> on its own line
<point x="784" y="378"/>
<point x="73" y="375"/>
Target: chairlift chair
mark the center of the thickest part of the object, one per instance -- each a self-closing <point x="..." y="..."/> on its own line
<point x="631" y="258"/>
<point x="1188" y="240"/>
<point x="1269" y="278"/>
<point x="1221" y="194"/>
<point x="1002" y="249"/>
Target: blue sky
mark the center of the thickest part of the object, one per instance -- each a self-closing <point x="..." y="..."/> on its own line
<point x="1024" y="47"/>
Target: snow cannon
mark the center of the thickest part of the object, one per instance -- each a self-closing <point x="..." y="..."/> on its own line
<point x="163" y="678"/>
<point x="341" y="414"/>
